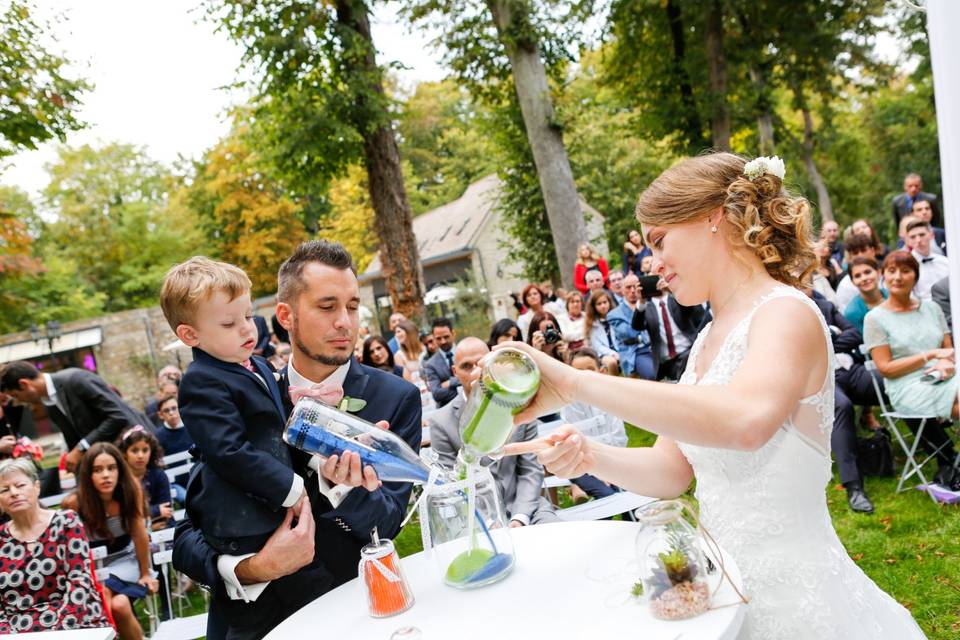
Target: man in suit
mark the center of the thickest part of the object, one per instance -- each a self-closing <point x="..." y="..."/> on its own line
<point x="854" y="386"/>
<point x="636" y="359"/>
<point x="264" y="347"/>
<point x="519" y="478"/>
<point x="672" y="328"/>
<point x="438" y="369"/>
<point x="80" y="404"/>
<point x="168" y="382"/>
<point x="318" y="302"/>
<point x="903" y="203"/>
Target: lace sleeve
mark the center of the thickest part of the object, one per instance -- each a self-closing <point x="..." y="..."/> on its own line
<point x="874" y="335"/>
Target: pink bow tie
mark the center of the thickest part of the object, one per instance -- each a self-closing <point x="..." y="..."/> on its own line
<point x="248" y="365"/>
<point x="326" y="393"/>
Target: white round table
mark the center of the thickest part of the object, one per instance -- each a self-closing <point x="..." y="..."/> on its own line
<point x="571" y="580"/>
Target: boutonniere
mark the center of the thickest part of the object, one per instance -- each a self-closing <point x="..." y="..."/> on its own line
<point x="351" y="405"/>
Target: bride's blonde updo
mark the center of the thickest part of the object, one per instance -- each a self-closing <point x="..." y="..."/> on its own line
<point x="760" y="213"/>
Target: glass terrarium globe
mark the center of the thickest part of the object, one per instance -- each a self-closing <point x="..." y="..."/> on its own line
<point x="465" y="527"/>
<point x="672" y="564"/>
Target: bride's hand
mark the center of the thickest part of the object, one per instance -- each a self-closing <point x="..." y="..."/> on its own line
<point x="569" y="454"/>
<point x="558" y="384"/>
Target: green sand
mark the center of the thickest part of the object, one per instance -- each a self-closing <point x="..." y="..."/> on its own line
<point x="467" y="564"/>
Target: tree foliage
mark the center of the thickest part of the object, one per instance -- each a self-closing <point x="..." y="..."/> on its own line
<point x="38" y="99"/>
<point x="111" y="222"/>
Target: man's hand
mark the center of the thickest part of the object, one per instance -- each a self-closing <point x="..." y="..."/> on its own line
<point x="73" y="459"/>
<point x="289" y="548"/>
<point x="7" y="443"/>
<point x="346" y="469"/>
<point x="445" y="384"/>
<point x="166" y="511"/>
<point x="515" y="524"/>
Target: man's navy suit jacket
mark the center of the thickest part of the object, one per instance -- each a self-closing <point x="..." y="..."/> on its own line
<point x="341" y="531"/>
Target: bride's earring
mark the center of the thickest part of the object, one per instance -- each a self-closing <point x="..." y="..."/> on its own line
<point x="713" y="229"/>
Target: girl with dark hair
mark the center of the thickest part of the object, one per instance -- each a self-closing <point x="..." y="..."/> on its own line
<point x="408" y="355"/>
<point x="144" y="455"/>
<point x="533" y="299"/>
<point x="377" y="354"/>
<point x="634" y="251"/>
<point x="111" y="505"/>
<point x="504" y="330"/>
<point x="598" y="332"/>
<point x="544" y="335"/>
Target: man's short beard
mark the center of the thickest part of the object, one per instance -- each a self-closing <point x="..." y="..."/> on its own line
<point x="334" y="361"/>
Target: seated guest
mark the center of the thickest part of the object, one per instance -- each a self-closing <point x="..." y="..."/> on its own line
<point x="923" y="212"/>
<point x="634" y="251"/>
<point x="858" y="246"/>
<point x="429" y="345"/>
<point x="168" y="379"/>
<point x="854" y="386"/>
<point x="828" y="272"/>
<point x="394" y="322"/>
<point x="65" y="597"/>
<point x="281" y="356"/>
<point x="902" y="241"/>
<point x="672" y="328"/>
<point x="594" y="283"/>
<point x="174" y="438"/>
<point x="610" y="432"/>
<point x="546" y="336"/>
<point x="865" y="275"/>
<point x="908" y="339"/>
<point x="534" y="302"/>
<point x="409" y="350"/>
<point x="519" y="478"/>
<point x="588" y="260"/>
<point x="110" y="503"/>
<point x="636" y="359"/>
<point x="862" y="226"/>
<point x="830" y="234"/>
<point x="143" y="454"/>
<point x="438" y="370"/>
<point x="80" y="403"/>
<point x="504" y="330"/>
<point x="264" y="347"/>
<point x="933" y="267"/>
<point x="599" y="333"/>
<point x="571" y="322"/>
<point x="616" y="286"/>
<point x="377" y="354"/>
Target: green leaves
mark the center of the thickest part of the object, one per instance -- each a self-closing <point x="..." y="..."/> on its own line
<point x="37" y="101"/>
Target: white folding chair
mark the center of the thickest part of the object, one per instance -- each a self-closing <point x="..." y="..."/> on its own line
<point x="176" y="458"/>
<point x="911" y="466"/>
<point x="53" y="501"/>
<point x="175" y="628"/>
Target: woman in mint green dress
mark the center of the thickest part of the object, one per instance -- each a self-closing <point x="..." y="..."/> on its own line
<point x="908" y="339"/>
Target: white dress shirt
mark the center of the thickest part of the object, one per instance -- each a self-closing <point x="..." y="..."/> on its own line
<point x="933" y="268"/>
<point x="227" y="564"/>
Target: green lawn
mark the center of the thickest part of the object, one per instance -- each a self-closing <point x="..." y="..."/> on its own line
<point x="910" y="547"/>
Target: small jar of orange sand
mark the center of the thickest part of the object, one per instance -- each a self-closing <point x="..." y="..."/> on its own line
<point x="387" y="590"/>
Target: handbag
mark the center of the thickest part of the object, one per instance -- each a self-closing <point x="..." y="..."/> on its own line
<point x="875" y="454"/>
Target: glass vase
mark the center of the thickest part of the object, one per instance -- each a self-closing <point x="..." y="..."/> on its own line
<point x="673" y="566"/>
<point x="464" y="526"/>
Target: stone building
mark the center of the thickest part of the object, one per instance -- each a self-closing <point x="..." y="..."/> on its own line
<point x="459" y="237"/>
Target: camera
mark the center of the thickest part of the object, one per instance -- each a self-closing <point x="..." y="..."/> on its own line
<point x="551" y="335"/>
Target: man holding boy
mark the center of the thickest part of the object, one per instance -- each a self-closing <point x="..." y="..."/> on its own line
<point x="318" y="301"/>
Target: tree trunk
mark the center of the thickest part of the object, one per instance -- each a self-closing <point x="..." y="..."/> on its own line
<point x="690" y="116"/>
<point x="823" y="196"/>
<point x="717" y="63"/>
<point x="764" y="115"/>
<point x="399" y="259"/>
<point x="546" y="142"/>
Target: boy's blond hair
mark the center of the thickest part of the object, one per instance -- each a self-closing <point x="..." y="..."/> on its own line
<point x="189" y="283"/>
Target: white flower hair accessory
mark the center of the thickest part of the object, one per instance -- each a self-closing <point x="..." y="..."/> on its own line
<point x="759" y="166"/>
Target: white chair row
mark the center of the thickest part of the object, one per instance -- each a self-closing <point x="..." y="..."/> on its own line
<point x="194" y="626"/>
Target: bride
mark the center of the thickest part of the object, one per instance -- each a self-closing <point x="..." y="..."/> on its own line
<point x="752" y="415"/>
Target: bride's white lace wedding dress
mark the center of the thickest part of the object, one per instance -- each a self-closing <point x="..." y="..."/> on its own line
<point x="768" y="509"/>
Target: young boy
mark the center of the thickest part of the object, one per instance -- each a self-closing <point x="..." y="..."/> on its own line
<point x="230" y="402"/>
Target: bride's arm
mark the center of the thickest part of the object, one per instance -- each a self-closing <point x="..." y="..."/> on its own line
<point x="665" y="471"/>
<point x="785" y="361"/>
